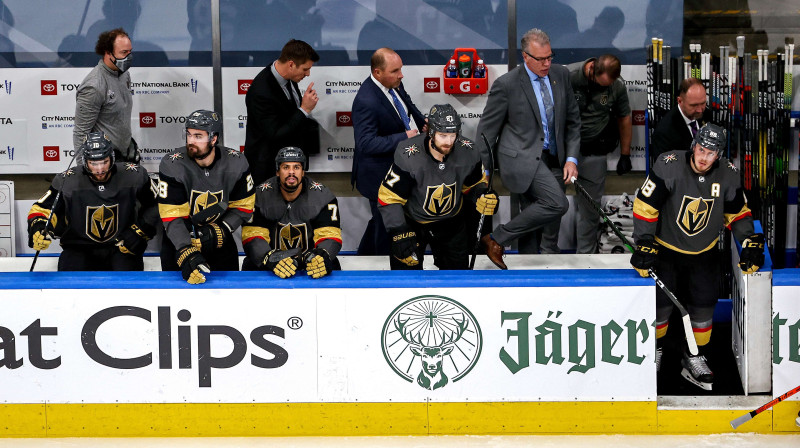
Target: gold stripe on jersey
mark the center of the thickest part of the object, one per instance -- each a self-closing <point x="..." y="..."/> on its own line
<point x="36" y="210"/>
<point x="327" y="233"/>
<point x="170" y="211"/>
<point x="387" y="196"/>
<point x="645" y="210"/>
<point x="250" y="232"/>
<point x="483" y="179"/>
<point x="732" y="217"/>
<point x="246" y="204"/>
<point x="671" y="247"/>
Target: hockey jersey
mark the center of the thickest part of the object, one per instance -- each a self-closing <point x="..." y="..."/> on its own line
<point x="91" y="213"/>
<point x="310" y="221"/>
<point x="190" y="195"/>
<point x="425" y="189"/>
<point x="684" y="211"/>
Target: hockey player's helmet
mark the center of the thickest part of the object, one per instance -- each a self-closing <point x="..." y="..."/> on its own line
<point x="96" y="147"/>
<point x="711" y="137"/>
<point x="443" y="118"/>
<point x="290" y="154"/>
<point x="205" y="120"/>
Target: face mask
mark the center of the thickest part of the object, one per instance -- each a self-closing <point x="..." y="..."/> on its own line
<point x="124" y="64"/>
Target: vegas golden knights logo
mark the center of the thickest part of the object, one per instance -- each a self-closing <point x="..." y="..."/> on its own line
<point x="694" y="214"/>
<point x="102" y="222"/>
<point x="440" y="199"/>
<point x="201" y="201"/>
<point x="292" y="236"/>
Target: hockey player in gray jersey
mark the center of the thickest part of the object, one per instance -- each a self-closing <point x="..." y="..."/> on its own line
<point x="296" y="222"/>
<point x="678" y="214"/>
<point x="105" y="214"/>
<point x="205" y="193"/>
<point x="421" y="198"/>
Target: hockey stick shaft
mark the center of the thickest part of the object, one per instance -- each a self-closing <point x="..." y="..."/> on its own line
<point x="483" y="217"/>
<point x="687" y="324"/>
<point x="749" y="416"/>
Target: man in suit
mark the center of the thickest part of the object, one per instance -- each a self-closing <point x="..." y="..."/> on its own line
<point x="278" y="115"/>
<point x="383" y="116"/>
<point x="677" y="129"/>
<point x="533" y="111"/>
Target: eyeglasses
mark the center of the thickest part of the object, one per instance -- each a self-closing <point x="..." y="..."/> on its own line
<point x="546" y="58"/>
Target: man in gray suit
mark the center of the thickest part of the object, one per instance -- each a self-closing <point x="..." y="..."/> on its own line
<point x="533" y="111"/>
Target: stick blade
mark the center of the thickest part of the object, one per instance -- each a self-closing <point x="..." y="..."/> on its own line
<point x="690" y="341"/>
<point x="739" y="421"/>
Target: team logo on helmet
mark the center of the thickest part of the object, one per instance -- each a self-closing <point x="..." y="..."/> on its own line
<point x="292" y="236"/>
<point x="440" y="199"/>
<point x="200" y="201"/>
<point x="694" y="214"/>
<point x="441" y="332"/>
<point x="101" y="222"/>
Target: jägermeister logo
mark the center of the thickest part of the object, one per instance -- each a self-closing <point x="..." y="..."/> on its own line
<point x="431" y="340"/>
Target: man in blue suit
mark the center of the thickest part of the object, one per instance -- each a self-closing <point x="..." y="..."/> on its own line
<point x="383" y="116"/>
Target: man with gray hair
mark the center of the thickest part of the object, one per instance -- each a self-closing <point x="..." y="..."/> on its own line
<point x="533" y="112"/>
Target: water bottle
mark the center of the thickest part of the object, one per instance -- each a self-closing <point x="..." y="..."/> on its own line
<point x="464" y="66"/>
<point x="452" y="69"/>
<point x="480" y="69"/>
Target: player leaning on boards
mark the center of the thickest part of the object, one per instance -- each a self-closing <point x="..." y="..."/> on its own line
<point x="683" y="203"/>
<point x="205" y="193"/>
<point x="105" y="212"/>
<point x="422" y="195"/>
<point x="292" y="212"/>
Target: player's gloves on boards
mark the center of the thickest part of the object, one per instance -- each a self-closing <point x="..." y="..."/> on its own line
<point x="284" y="263"/>
<point x="38" y="236"/>
<point x="752" y="256"/>
<point x="487" y="203"/>
<point x="320" y="263"/>
<point x="132" y="241"/>
<point x="404" y="247"/>
<point x="210" y="236"/>
<point x="644" y="258"/>
<point x="193" y="265"/>
<point x="624" y="164"/>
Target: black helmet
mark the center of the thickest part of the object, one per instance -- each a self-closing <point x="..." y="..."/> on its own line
<point x="711" y="137"/>
<point x="443" y="118"/>
<point x="96" y="146"/>
<point x="290" y="154"/>
<point x="205" y="120"/>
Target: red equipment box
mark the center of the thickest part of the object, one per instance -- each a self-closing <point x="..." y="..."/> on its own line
<point x="465" y="86"/>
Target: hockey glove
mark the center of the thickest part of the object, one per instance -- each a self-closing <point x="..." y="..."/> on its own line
<point x="487" y="203"/>
<point x="752" y="256"/>
<point x="624" y="164"/>
<point x="210" y="236"/>
<point x="320" y="263"/>
<point x="132" y="241"/>
<point x="644" y="258"/>
<point x="404" y="247"/>
<point x="38" y="236"/>
<point x="193" y="265"/>
<point x="284" y="263"/>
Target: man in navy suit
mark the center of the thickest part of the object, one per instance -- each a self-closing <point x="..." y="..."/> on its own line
<point x="383" y="116"/>
<point x="278" y="115"/>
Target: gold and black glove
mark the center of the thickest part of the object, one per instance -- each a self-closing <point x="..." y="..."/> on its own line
<point x="210" y="236"/>
<point x="320" y="263"/>
<point x="193" y="265"/>
<point x="39" y="238"/>
<point x="645" y="256"/>
<point x="132" y="241"/>
<point x="487" y="203"/>
<point x="404" y="247"/>
<point x="284" y="263"/>
<point x="752" y="256"/>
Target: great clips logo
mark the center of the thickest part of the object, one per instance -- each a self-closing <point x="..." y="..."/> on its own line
<point x="244" y="86"/>
<point x="432" y="85"/>
<point x="49" y="87"/>
<point x="344" y="119"/>
<point x="50" y="153"/>
<point x="147" y="119"/>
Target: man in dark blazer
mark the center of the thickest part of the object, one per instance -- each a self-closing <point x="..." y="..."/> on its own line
<point x="533" y="112"/>
<point x="383" y="116"/>
<point x="674" y="131"/>
<point x="278" y="115"/>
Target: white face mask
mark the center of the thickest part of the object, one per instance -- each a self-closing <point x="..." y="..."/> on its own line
<point x="124" y="64"/>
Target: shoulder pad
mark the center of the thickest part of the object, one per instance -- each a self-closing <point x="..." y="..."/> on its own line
<point x="411" y="149"/>
<point x="174" y="156"/>
<point x="466" y="143"/>
<point x="315" y="186"/>
<point x="266" y="186"/>
<point x="667" y="158"/>
<point x="68" y="172"/>
<point x="132" y="166"/>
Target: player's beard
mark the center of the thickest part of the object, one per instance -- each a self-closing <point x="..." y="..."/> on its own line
<point x="101" y="177"/>
<point x="441" y="150"/>
<point x="290" y="188"/>
<point x="195" y="152"/>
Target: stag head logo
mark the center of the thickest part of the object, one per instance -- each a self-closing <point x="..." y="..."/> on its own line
<point x="431" y="340"/>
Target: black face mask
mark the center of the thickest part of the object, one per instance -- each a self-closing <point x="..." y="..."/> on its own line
<point x="123" y="64"/>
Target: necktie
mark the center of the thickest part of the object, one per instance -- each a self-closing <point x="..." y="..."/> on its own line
<point x="290" y="88"/>
<point x="400" y="109"/>
<point x="548" y="110"/>
<point x="693" y="125"/>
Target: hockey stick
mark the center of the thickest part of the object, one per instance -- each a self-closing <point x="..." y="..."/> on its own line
<point x="687" y="324"/>
<point x="480" y="221"/>
<point x="737" y="422"/>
